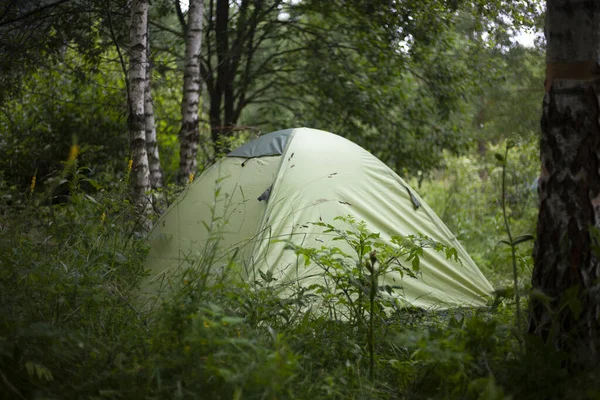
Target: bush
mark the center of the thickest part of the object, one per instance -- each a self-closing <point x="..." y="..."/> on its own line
<point x="467" y="196"/>
<point x="70" y="326"/>
<point x="67" y="273"/>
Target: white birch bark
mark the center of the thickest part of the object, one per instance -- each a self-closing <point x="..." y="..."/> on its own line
<point x="189" y="134"/>
<point x="156" y="176"/>
<point x="137" y="83"/>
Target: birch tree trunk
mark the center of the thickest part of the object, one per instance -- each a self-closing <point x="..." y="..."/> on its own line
<point x="156" y="176"/>
<point x="189" y="135"/>
<point x="565" y="312"/>
<point x="137" y="84"/>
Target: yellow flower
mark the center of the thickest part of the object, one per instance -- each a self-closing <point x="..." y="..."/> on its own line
<point x="191" y="179"/>
<point x="130" y="164"/>
<point x="206" y="324"/>
<point x="103" y="217"/>
<point x="73" y="152"/>
<point x="32" y="185"/>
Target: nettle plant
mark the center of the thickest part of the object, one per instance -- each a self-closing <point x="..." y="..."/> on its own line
<point x="350" y="289"/>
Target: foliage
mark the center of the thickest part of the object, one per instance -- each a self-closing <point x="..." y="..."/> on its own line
<point x="467" y="196"/>
<point x="348" y="277"/>
<point x="379" y="78"/>
<point x="426" y="79"/>
<point x="455" y="360"/>
<point x="35" y="34"/>
<point x="71" y="325"/>
<point x="509" y="108"/>
<point x="66" y="279"/>
<point x="407" y="75"/>
<point x="57" y="109"/>
<point x="38" y="130"/>
<point x="351" y="288"/>
<point x="354" y="78"/>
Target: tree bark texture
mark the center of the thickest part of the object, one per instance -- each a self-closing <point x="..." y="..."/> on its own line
<point x="189" y="135"/>
<point x="137" y="83"/>
<point x="565" y="313"/>
<point x="156" y="175"/>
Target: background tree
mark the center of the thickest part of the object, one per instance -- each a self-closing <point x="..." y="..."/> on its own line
<point x="136" y="89"/>
<point x="348" y="67"/>
<point x="30" y="35"/>
<point x="565" y="311"/>
<point x="59" y="58"/>
<point x="155" y="170"/>
<point x="189" y="135"/>
<point x="378" y="78"/>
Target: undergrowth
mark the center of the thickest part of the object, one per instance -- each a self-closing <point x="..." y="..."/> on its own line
<point x="70" y="327"/>
<point x="468" y="197"/>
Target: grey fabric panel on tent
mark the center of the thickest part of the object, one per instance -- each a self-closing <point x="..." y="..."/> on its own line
<point x="272" y="144"/>
<point x="266" y="194"/>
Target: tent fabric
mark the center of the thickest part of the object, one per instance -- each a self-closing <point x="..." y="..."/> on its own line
<point x="317" y="177"/>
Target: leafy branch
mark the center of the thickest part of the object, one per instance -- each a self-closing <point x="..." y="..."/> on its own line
<point x="351" y="283"/>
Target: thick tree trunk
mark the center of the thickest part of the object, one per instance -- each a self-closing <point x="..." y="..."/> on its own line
<point x="189" y="135"/>
<point x="566" y="254"/>
<point x="156" y="175"/>
<point x="137" y="83"/>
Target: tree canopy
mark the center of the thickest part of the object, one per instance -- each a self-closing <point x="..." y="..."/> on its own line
<point x="399" y="82"/>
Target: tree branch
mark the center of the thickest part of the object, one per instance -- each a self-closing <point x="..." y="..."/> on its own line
<point x="7" y="8"/>
<point x="121" y="59"/>
<point x="167" y="29"/>
<point x="180" y="15"/>
<point x="32" y="12"/>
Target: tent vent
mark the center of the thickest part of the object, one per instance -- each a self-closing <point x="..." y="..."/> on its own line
<point x="266" y="194"/>
<point x="414" y="199"/>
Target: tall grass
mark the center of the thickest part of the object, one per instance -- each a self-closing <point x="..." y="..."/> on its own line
<point x="70" y="267"/>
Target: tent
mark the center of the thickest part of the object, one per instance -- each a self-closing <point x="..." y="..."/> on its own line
<point x="273" y="187"/>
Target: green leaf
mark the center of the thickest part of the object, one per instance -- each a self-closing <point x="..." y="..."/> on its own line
<point x="34" y="369"/>
<point x="90" y="198"/>
<point x="523" y="239"/>
<point x="262" y="275"/>
<point x="517" y="240"/>
<point x="416" y="263"/>
<point x="387" y="288"/>
<point x="505" y="292"/>
<point x="232" y="320"/>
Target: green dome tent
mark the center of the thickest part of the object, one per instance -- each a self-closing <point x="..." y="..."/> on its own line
<point x="274" y="186"/>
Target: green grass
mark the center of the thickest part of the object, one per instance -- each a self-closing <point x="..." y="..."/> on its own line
<point x="70" y="327"/>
